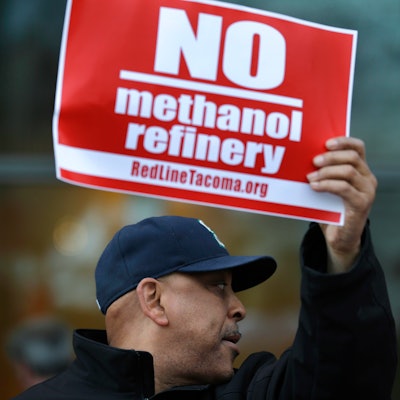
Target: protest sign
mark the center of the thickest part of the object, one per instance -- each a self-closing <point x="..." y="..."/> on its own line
<point x="201" y="101"/>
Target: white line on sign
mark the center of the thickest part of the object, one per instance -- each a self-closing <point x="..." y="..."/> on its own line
<point x="210" y="88"/>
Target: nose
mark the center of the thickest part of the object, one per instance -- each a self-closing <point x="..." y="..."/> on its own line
<point x="237" y="310"/>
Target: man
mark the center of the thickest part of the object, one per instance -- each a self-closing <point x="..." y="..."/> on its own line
<point x="167" y="289"/>
<point x="38" y="349"/>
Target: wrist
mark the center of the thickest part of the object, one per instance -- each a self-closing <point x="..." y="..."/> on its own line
<point x="340" y="262"/>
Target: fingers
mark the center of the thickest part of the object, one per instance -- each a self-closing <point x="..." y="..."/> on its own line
<point x="344" y="151"/>
<point x="343" y="170"/>
<point x="347" y="143"/>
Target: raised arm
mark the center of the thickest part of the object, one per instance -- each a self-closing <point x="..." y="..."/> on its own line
<point x="345" y="345"/>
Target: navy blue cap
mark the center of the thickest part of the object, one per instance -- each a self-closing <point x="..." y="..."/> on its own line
<point x="158" y="246"/>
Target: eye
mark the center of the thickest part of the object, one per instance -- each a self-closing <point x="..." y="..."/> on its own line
<point x="221" y="285"/>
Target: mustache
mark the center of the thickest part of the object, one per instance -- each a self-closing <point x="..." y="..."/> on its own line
<point x="232" y="335"/>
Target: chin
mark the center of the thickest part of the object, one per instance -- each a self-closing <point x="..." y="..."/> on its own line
<point x="223" y="376"/>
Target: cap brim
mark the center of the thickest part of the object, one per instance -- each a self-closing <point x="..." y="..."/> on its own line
<point x="247" y="271"/>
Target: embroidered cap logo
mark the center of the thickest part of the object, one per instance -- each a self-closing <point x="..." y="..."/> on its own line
<point x="212" y="232"/>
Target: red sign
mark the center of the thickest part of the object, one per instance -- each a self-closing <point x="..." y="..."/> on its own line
<point x="201" y="101"/>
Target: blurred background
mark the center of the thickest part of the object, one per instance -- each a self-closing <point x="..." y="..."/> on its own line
<point x="52" y="233"/>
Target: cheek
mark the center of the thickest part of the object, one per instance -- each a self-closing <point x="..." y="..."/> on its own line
<point x="197" y="319"/>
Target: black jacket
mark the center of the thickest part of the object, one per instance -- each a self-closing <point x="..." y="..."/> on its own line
<point x="345" y="348"/>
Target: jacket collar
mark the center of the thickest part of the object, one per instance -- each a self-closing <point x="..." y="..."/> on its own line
<point x="111" y="368"/>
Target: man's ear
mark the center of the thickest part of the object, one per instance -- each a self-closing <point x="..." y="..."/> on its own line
<point x="149" y="295"/>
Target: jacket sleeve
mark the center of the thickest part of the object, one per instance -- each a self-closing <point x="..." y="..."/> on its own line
<point x="345" y="347"/>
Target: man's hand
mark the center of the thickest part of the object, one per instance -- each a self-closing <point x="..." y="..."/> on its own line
<point x="343" y="171"/>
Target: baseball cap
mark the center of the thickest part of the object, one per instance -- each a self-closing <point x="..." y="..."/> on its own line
<point x="158" y="246"/>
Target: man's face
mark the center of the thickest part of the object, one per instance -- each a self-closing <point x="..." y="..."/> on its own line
<point x="203" y="313"/>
